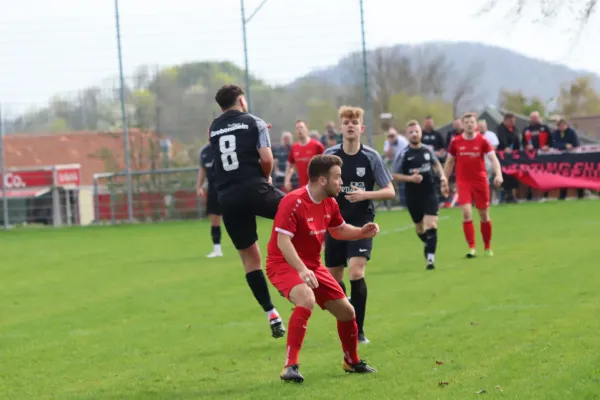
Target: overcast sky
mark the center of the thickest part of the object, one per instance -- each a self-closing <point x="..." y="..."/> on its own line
<point x="52" y="47"/>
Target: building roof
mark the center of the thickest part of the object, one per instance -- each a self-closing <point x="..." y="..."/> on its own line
<point x="95" y="151"/>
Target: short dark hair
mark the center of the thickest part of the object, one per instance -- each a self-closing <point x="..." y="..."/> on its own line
<point x="562" y="121"/>
<point x="228" y="95"/>
<point x="509" y="116"/>
<point x="428" y="117"/>
<point x="321" y="165"/>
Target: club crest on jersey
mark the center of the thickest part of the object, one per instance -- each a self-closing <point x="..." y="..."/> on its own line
<point x="360" y="171"/>
<point x="427" y="156"/>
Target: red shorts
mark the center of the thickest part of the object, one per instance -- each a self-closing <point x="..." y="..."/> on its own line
<point x="478" y="191"/>
<point x="285" y="278"/>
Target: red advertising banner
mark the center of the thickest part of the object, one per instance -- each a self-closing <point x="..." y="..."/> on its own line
<point x="43" y="177"/>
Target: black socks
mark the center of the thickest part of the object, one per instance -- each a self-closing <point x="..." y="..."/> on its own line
<point x="215" y="233"/>
<point x="258" y="284"/>
<point x="358" y="299"/>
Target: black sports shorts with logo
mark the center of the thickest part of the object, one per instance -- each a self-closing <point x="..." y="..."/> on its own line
<point x="419" y="205"/>
<point x="337" y="252"/>
<point x="241" y="204"/>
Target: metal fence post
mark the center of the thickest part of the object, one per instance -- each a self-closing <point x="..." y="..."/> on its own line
<point x="124" y="117"/>
<point x="5" y="221"/>
<point x="368" y="108"/>
<point x="96" y="202"/>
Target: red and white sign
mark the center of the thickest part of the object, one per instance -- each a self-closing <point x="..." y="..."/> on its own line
<point x="68" y="176"/>
<point x="43" y="177"/>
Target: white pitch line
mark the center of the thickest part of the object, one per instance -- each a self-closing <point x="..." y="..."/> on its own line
<point x="406" y="227"/>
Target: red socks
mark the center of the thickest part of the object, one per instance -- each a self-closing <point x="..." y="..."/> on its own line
<point x="486" y="233"/>
<point x="296" y="333"/>
<point x="469" y="231"/>
<point x="348" y="332"/>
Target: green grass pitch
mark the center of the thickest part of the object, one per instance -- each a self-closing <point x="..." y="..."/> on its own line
<point x="137" y="312"/>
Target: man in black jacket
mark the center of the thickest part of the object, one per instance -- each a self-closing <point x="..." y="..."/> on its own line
<point x="509" y="141"/>
<point x="565" y="139"/>
<point x="457" y="129"/>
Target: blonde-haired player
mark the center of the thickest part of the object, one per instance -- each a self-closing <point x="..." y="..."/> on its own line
<point x="363" y="168"/>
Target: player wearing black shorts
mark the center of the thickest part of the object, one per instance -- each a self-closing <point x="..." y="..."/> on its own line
<point x="418" y="166"/>
<point x="242" y="166"/>
<point x="363" y="168"/>
<point x="213" y="210"/>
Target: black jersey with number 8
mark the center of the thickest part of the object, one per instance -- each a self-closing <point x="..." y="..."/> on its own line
<point x="235" y="138"/>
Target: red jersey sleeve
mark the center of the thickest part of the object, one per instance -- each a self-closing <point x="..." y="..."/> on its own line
<point x="320" y="148"/>
<point x="486" y="147"/>
<point x="287" y="216"/>
<point x="291" y="156"/>
<point x="336" y="219"/>
<point x="452" y="148"/>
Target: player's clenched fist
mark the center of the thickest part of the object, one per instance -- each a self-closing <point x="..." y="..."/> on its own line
<point x="417" y="177"/>
<point x="369" y="230"/>
<point x="309" y="278"/>
<point x="498" y="180"/>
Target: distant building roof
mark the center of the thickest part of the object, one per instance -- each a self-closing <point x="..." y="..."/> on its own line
<point x="95" y="151"/>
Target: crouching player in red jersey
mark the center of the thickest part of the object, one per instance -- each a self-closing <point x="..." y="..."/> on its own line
<point x="294" y="261"/>
<point x="467" y="151"/>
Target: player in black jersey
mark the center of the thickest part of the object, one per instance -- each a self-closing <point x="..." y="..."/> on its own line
<point x="363" y="168"/>
<point x="418" y="166"/>
<point x="242" y="167"/>
<point x="213" y="210"/>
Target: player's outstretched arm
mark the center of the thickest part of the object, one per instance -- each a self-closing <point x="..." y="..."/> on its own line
<point x="266" y="160"/>
<point x="497" y="168"/>
<point x="200" y="181"/>
<point x="449" y="166"/>
<point x="351" y="232"/>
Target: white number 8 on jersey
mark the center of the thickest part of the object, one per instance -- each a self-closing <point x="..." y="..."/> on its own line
<point x="229" y="157"/>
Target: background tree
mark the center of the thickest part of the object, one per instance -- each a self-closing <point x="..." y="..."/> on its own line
<point x="517" y="102"/>
<point x="579" y="98"/>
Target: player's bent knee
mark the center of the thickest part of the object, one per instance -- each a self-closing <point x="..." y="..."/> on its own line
<point x="430" y="222"/>
<point x="420" y="227"/>
<point x="251" y="258"/>
<point x="357" y="267"/>
<point x="341" y="309"/>
<point x="484" y="214"/>
<point x="303" y="296"/>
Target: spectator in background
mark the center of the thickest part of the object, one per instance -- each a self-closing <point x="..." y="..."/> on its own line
<point x="493" y="139"/>
<point x="509" y="141"/>
<point x="315" y="135"/>
<point x="392" y="148"/>
<point x="565" y="138"/>
<point x="489" y="135"/>
<point x="433" y="139"/>
<point x="457" y="129"/>
<point x="280" y="156"/>
<point x="394" y="144"/>
<point x="536" y="136"/>
<point x="331" y="137"/>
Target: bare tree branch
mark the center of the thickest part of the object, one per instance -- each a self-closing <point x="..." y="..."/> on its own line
<point x="582" y="9"/>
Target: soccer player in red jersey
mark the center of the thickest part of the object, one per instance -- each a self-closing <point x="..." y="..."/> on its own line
<point x="300" y="154"/>
<point x="294" y="264"/>
<point x="467" y="152"/>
